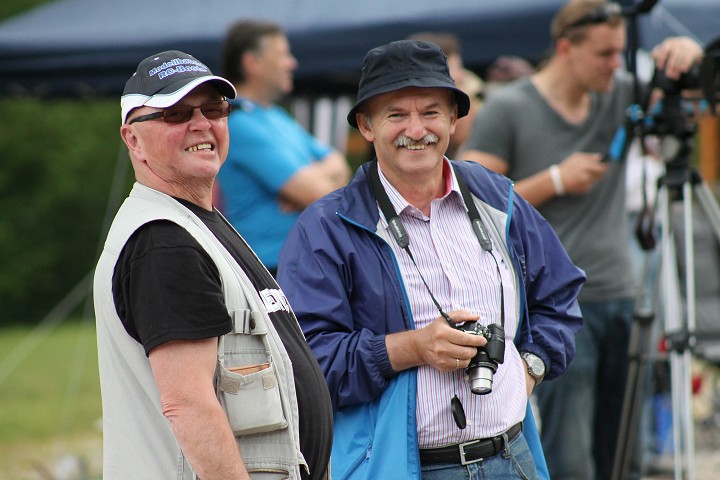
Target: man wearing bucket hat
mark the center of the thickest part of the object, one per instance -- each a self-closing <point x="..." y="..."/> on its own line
<point x="382" y="272"/>
<point x="204" y="370"/>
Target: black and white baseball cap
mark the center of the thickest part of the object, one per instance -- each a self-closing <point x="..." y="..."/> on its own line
<point x="161" y="80"/>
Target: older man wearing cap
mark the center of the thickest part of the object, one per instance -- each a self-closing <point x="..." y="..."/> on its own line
<point x="204" y="370"/>
<point x="382" y="272"/>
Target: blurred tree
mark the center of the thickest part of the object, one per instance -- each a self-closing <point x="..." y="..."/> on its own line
<point x="55" y="175"/>
<point x="8" y="8"/>
<point x="58" y="161"/>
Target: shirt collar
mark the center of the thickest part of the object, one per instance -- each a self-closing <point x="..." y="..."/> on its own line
<point x="401" y="205"/>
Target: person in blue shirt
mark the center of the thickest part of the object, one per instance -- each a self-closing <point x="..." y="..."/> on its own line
<point x="274" y="168"/>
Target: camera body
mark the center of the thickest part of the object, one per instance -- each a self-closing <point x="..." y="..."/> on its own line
<point x="689" y="80"/>
<point x="479" y="374"/>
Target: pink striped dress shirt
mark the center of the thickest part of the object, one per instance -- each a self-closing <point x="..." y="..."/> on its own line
<point x="461" y="276"/>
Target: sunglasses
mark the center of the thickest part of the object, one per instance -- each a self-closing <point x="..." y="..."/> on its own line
<point x="596" y="16"/>
<point x="182" y="113"/>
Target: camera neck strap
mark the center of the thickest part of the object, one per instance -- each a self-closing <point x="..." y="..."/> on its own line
<point x="397" y="229"/>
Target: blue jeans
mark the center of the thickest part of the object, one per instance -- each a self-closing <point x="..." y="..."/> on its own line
<point x="580" y="410"/>
<point x="513" y="463"/>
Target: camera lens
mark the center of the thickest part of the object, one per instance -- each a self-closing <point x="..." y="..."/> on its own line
<point x="480" y="380"/>
<point x="479" y="373"/>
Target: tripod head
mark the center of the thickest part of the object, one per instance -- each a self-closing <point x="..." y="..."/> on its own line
<point x="673" y="118"/>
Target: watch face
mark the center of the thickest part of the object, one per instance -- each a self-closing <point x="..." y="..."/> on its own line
<point x="536" y="365"/>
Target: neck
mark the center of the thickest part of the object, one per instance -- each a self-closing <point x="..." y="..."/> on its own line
<point x="199" y="194"/>
<point x="555" y="82"/>
<point x="419" y="191"/>
<point x="562" y="92"/>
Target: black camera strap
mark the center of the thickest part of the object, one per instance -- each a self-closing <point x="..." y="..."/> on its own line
<point x="397" y="229"/>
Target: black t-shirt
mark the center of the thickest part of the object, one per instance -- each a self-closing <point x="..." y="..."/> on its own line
<point x="166" y="287"/>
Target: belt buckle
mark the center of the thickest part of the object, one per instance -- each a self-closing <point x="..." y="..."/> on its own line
<point x="462" y="453"/>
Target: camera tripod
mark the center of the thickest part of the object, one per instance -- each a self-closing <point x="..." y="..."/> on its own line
<point x="680" y="183"/>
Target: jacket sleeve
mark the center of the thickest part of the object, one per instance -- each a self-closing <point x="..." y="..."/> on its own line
<point x="342" y="320"/>
<point x="552" y="284"/>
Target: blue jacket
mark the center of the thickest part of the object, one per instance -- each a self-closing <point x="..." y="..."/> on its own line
<point x="344" y="285"/>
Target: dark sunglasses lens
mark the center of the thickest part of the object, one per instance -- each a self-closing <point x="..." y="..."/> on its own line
<point x="177" y="114"/>
<point x="215" y="110"/>
<point x="183" y="113"/>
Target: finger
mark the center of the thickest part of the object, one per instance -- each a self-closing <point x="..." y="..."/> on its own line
<point x="460" y="316"/>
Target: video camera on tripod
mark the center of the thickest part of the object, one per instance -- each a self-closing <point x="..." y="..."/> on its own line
<point x="672" y="119"/>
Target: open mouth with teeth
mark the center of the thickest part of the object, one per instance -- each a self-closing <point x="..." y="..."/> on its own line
<point x="416" y="146"/>
<point x="404" y="141"/>
<point x="200" y="146"/>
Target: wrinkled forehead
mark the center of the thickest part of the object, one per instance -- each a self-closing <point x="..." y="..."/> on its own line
<point x="416" y="97"/>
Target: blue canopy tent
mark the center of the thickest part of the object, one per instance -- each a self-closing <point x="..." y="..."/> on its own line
<point x="90" y="47"/>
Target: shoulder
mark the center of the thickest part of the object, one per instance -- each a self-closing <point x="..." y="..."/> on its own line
<point x="507" y="103"/>
<point x="488" y="186"/>
<point x="164" y="233"/>
<point x="514" y="93"/>
<point x="161" y="237"/>
<point x="352" y="203"/>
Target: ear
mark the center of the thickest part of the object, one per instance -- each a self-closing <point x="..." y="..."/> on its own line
<point x="453" y="119"/>
<point x="562" y="46"/>
<point x="248" y="62"/>
<point x="365" y="127"/>
<point x="127" y="133"/>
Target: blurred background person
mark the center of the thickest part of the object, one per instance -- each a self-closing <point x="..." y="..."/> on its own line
<point x="506" y="69"/>
<point x="275" y="168"/>
<point x="550" y="133"/>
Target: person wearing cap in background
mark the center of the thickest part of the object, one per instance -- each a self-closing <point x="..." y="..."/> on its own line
<point x="204" y="371"/>
<point x="379" y="316"/>
<point x="551" y="133"/>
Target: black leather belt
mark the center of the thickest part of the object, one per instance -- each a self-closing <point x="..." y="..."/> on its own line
<point x="468" y="452"/>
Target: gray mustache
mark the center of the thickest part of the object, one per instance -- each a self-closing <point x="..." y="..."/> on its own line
<point x="405" y="141"/>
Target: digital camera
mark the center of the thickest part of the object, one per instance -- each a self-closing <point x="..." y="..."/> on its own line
<point x="479" y="374"/>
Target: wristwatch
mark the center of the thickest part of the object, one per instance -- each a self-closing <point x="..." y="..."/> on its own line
<point x="535" y="366"/>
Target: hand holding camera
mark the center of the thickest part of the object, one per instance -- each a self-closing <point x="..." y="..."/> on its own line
<point x="479" y="372"/>
<point x="443" y="344"/>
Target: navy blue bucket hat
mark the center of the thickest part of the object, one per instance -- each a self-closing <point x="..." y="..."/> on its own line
<point x="402" y="64"/>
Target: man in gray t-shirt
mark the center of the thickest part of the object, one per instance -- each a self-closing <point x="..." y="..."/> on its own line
<point x="550" y="133"/>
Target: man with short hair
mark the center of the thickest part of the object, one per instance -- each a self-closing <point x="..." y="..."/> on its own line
<point x="274" y="168"/>
<point x="204" y="370"/>
<point x="388" y="273"/>
<point x="550" y="133"/>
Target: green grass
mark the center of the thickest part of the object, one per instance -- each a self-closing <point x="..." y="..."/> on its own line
<point x="49" y="393"/>
<point x="55" y="389"/>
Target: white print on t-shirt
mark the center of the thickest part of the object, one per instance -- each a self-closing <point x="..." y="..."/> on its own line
<point x="274" y="300"/>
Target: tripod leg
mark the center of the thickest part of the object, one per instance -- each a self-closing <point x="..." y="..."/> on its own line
<point x="685" y="356"/>
<point x="626" y="448"/>
<point x="672" y="315"/>
<point x="677" y="334"/>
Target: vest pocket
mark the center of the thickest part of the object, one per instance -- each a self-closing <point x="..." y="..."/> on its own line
<point x="251" y="401"/>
